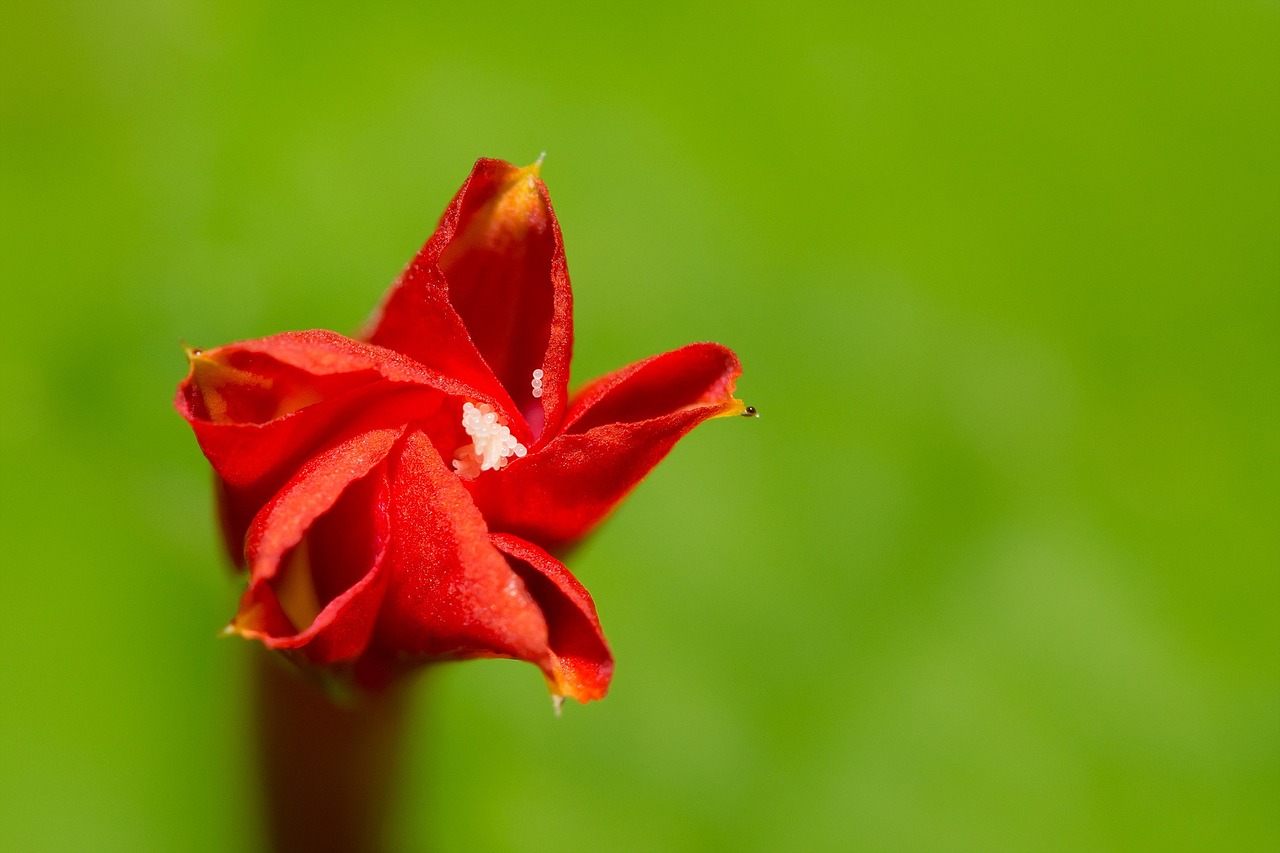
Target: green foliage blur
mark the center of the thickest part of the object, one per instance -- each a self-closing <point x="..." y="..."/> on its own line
<point x="997" y="569"/>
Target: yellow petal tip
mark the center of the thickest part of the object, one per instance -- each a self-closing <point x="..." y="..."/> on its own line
<point x="732" y="407"/>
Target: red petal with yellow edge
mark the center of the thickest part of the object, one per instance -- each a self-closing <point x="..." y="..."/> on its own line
<point x="257" y="403"/>
<point x="260" y="408"/>
<point x="617" y="430"/>
<point x="580" y="664"/>
<point x="321" y="595"/>
<point x="451" y="593"/>
<point x="317" y="355"/>
<point x="694" y="375"/>
<point x="489" y="294"/>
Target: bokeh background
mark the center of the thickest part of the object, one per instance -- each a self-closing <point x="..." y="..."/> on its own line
<point x="997" y="568"/>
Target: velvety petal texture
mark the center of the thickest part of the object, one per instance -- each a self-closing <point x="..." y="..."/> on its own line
<point x="398" y="499"/>
<point x="617" y="429"/>
<point x="452" y="593"/>
<point x="487" y="299"/>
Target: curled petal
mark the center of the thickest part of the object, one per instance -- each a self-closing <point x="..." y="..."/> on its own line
<point x="693" y="376"/>
<point x="451" y="593"/>
<point x="617" y="429"/>
<point x="254" y="461"/>
<point x="578" y="663"/>
<point x="251" y="403"/>
<point x="316" y="487"/>
<point x="487" y="298"/>
<point x="260" y="408"/>
<point x="266" y="379"/>
<point x="418" y="320"/>
<point x="318" y="558"/>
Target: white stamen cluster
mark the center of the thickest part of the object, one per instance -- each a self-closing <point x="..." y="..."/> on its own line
<point x="492" y="443"/>
<point x="537" y="382"/>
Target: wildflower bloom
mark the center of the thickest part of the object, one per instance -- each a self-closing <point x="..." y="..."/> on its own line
<point x="400" y="498"/>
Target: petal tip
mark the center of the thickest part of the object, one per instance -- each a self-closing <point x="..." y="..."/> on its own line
<point x="733" y="406"/>
<point x="583" y="683"/>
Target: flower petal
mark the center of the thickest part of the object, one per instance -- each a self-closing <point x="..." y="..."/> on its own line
<point x="254" y="461"/>
<point x="695" y="375"/>
<point x="260" y="380"/>
<point x="259" y="408"/>
<point x="489" y="296"/>
<point x="579" y="663"/>
<point x="256" y="404"/>
<point x="318" y="554"/>
<point x="617" y="429"/>
<point x="417" y="319"/>
<point x="451" y="592"/>
<point x="316" y="487"/>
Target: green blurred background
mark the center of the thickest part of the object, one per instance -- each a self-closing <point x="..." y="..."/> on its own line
<point x="997" y="568"/>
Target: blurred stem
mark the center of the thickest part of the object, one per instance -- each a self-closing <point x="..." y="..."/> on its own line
<point x="328" y="770"/>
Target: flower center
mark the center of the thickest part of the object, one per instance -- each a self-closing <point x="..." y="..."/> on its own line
<point x="492" y="443"/>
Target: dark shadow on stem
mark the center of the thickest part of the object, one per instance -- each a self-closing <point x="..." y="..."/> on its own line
<point x="328" y="770"/>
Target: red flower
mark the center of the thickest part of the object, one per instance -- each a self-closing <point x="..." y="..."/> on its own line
<point x="399" y="499"/>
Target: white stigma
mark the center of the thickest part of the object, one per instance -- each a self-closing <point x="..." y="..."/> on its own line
<point x="492" y="443"/>
<point x="537" y="382"/>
